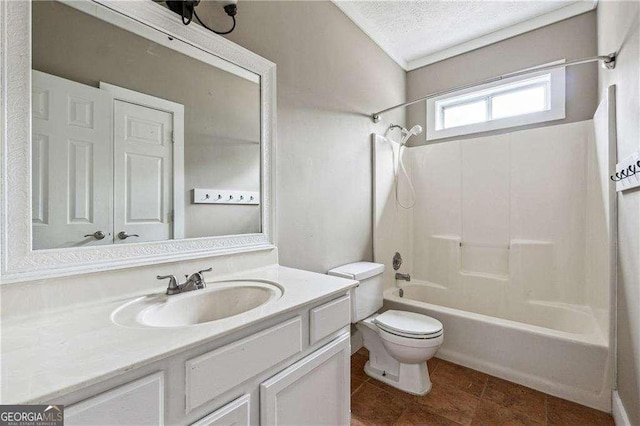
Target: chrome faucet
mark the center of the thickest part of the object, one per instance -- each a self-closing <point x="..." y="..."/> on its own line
<point x="403" y="277"/>
<point x="194" y="281"/>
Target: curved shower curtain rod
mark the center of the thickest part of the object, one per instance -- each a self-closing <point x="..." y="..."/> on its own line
<point x="608" y="61"/>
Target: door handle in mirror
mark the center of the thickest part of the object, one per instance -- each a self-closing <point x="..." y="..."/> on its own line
<point x="123" y="235"/>
<point x="98" y="235"/>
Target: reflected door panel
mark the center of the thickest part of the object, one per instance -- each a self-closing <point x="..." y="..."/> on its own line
<point x="143" y="173"/>
<point x="71" y="164"/>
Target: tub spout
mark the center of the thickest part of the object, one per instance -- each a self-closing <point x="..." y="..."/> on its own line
<point x="403" y="277"/>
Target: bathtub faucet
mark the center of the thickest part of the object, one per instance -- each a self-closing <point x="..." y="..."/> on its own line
<point x="403" y="277"/>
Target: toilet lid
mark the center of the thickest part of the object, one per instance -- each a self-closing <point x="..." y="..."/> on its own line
<point x="408" y="323"/>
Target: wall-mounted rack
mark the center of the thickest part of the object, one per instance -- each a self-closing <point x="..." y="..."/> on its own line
<point x="627" y="173"/>
<point x="225" y="196"/>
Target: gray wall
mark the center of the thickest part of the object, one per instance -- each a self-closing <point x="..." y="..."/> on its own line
<point x="330" y="77"/>
<point x="570" y="39"/>
<point x="618" y="30"/>
<point x="222" y="110"/>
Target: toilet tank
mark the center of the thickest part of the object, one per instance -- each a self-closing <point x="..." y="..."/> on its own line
<point x="366" y="298"/>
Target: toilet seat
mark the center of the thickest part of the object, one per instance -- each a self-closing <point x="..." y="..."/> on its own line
<point x="409" y="325"/>
<point x="410" y="342"/>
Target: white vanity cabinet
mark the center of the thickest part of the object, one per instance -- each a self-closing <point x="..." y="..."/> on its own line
<point x="290" y="370"/>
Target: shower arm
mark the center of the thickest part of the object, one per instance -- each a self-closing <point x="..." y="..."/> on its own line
<point x="608" y="62"/>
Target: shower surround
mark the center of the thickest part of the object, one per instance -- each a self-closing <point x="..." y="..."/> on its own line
<point x="509" y="246"/>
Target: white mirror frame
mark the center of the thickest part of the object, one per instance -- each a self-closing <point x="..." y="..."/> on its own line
<point x="19" y="261"/>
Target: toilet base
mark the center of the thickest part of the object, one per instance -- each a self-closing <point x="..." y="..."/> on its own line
<point x="412" y="378"/>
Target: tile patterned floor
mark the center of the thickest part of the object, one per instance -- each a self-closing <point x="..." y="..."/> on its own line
<point x="461" y="396"/>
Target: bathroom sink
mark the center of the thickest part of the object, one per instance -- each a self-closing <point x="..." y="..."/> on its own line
<point x="222" y="299"/>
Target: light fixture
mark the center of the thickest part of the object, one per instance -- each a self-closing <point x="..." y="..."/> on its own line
<point x="187" y="10"/>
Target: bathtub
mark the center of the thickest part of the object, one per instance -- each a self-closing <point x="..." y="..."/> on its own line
<point x="560" y="350"/>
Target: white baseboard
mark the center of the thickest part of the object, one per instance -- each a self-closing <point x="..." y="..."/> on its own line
<point x="619" y="413"/>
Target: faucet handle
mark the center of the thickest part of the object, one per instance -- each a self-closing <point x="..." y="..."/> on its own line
<point x="173" y="283"/>
<point x="199" y="278"/>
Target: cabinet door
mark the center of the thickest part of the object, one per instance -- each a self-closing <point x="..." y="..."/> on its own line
<point x="313" y="391"/>
<point x="140" y="402"/>
<point x="235" y="413"/>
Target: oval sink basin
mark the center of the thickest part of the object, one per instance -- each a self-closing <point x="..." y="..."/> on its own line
<point x="218" y="301"/>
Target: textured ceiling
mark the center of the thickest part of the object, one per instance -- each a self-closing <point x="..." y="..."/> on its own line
<point x="411" y="30"/>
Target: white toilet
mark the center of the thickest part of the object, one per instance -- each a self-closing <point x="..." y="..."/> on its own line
<point x="399" y="342"/>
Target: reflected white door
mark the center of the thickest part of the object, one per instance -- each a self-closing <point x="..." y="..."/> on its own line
<point x="72" y="154"/>
<point x="143" y="173"/>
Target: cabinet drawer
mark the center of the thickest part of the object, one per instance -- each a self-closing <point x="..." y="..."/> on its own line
<point x="329" y="318"/>
<point x="140" y="402"/>
<point x="235" y="413"/>
<point x="213" y="373"/>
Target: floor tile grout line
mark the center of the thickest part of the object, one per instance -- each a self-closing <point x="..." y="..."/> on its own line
<point x="401" y="414"/>
<point x="546" y="409"/>
<point x="430" y="410"/>
<point x="434" y="368"/>
<point x="484" y="389"/>
<point x="482" y="395"/>
<point x="427" y="409"/>
<point x="358" y="388"/>
<point x="475" y="412"/>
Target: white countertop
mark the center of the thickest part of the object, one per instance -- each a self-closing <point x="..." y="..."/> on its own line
<point x="54" y="353"/>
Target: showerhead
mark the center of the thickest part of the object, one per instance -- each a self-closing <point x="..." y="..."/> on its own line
<point x="406" y="134"/>
<point x="415" y="130"/>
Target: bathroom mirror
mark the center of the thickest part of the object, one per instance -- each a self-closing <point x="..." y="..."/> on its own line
<point x="147" y="139"/>
<point x="134" y="141"/>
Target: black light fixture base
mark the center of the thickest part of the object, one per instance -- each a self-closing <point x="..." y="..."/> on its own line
<point x="231" y="9"/>
<point x="187" y="10"/>
<point x="183" y="8"/>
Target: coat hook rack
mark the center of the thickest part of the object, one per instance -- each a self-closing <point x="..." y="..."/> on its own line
<point x="225" y="196"/>
<point x="627" y="174"/>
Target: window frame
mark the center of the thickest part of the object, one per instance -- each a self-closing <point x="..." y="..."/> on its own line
<point x="555" y="100"/>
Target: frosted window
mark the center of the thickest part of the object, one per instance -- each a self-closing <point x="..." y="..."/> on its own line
<point x="508" y="102"/>
<point x="463" y="114"/>
<point x="519" y="102"/>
